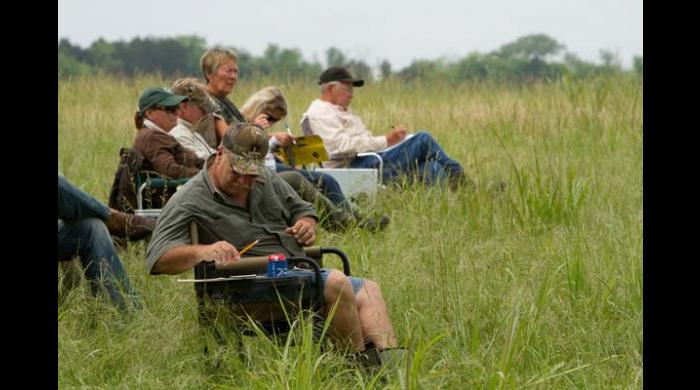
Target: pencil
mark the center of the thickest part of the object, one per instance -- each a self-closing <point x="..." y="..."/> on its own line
<point x="247" y="247"/>
<point x="290" y="133"/>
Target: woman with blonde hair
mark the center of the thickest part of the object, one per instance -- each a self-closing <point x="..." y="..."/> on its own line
<point x="267" y="107"/>
<point x="220" y="70"/>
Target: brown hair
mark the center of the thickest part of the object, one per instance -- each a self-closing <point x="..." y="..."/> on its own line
<point x="138" y="119"/>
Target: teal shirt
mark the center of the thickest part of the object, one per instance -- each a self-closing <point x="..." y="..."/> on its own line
<point x="273" y="206"/>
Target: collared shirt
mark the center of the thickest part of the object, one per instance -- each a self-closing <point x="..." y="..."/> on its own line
<point x="341" y="131"/>
<point x="184" y="134"/>
<point x="273" y="206"/>
<point x="228" y="110"/>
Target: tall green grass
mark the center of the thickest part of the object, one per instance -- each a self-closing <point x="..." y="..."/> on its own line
<point x="536" y="287"/>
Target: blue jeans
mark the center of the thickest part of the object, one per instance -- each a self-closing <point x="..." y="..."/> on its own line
<point x="420" y="155"/>
<point x="82" y="232"/>
<point x="324" y="182"/>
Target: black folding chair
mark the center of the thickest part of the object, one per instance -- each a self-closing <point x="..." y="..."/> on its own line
<point x="243" y="292"/>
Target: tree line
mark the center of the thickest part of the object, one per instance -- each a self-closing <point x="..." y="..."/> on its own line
<point x="529" y="58"/>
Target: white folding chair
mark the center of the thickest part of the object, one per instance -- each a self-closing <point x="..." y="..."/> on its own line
<point x="353" y="181"/>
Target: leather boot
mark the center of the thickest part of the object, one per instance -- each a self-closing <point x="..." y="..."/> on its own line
<point x="129" y="226"/>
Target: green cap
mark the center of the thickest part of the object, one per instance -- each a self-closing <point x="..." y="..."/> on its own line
<point x="159" y="96"/>
<point x="246" y="146"/>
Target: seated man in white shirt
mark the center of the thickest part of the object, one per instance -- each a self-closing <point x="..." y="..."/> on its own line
<point x="343" y="132"/>
<point x="198" y="107"/>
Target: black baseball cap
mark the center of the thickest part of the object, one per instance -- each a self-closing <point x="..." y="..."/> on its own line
<point x="337" y="73"/>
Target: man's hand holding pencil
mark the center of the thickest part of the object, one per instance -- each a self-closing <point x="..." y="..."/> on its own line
<point x="222" y="252"/>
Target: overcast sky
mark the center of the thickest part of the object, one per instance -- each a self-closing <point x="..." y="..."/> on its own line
<point x="369" y="30"/>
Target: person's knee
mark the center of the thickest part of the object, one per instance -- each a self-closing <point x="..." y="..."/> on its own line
<point x="293" y="178"/>
<point x="92" y="230"/>
<point x="337" y="287"/>
<point x="327" y="180"/>
<point x="372" y="288"/>
<point x="423" y="135"/>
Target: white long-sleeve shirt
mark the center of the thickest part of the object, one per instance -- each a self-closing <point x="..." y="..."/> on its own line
<point x="341" y="131"/>
<point x="184" y="134"/>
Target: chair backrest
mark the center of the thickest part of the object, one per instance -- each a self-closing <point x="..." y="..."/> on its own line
<point x="126" y="181"/>
<point x="305" y="126"/>
<point x="139" y="192"/>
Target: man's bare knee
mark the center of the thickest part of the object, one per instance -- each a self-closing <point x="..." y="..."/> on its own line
<point x="338" y="286"/>
<point x="369" y="289"/>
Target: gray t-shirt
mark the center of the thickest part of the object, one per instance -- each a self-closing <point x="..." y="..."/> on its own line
<point x="273" y="207"/>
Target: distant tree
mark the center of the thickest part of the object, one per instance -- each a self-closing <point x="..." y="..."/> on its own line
<point x="102" y="55"/>
<point x="472" y="67"/>
<point x="66" y="48"/>
<point x="193" y="48"/>
<point x="72" y="60"/>
<point x="424" y="69"/>
<point x="531" y="57"/>
<point x="638" y="65"/>
<point x="248" y="65"/>
<point x="579" y="67"/>
<point x="531" y="47"/>
<point x="359" y="69"/>
<point x="528" y="58"/>
<point x="69" y="66"/>
<point x="335" y="57"/>
<point x="611" y="61"/>
<point x="385" y="69"/>
<point x="280" y="62"/>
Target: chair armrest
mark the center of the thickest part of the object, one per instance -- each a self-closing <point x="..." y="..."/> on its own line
<point x="162" y="182"/>
<point x="348" y="156"/>
<point x="246" y="265"/>
<point x="342" y="156"/>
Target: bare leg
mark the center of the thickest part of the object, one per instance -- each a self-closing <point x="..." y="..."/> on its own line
<point x="374" y="317"/>
<point x="346" y="322"/>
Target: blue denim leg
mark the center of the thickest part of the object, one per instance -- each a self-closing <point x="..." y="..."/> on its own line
<point x="324" y="182"/>
<point x="432" y="173"/>
<point x="411" y="157"/>
<point x="89" y="239"/>
<point x="74" y="204"/>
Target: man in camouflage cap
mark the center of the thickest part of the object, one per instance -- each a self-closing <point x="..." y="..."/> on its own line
<point x="195" y="113"/>
<point x="246" y="147"/>
<point x="237" y="201"/>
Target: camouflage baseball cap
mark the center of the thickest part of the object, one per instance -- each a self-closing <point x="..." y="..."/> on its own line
<point x="159" y="96"/>
<point x="196" y="93"/>
<point x="246" y="146"/>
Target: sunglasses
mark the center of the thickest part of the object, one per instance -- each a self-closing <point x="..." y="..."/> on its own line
<point x="171" y="109"/>
<point x="271" y="118"/>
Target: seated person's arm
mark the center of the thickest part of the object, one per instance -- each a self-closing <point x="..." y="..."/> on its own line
<point x="165" y="164"/>
<point x="170" y="250"/>
<point x="179" y="259"/>
<point x="281" y="138"/>
<point x="220" y="126"/>
<point x="343" y="138"/>
<point x="396" y="135"/>
<point x="302" y="221"/>
<point x="304" y="230"/>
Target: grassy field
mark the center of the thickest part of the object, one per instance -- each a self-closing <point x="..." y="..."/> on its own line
<point x="539" y="287"/>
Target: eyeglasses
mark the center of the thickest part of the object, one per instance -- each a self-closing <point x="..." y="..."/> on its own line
<point x="171" y="109"/>
<point x="271" y="118"/>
